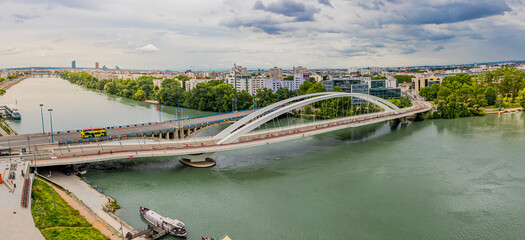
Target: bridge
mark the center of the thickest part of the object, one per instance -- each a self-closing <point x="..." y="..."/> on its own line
<point x="42" y="74"/>
<point x="245" y="132"/>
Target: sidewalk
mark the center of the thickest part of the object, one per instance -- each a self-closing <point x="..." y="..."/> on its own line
<point x="17" y="222"/>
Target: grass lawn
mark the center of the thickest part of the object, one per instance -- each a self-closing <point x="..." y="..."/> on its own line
<point x="71" y="225"/>
<point x="73" y="234"/>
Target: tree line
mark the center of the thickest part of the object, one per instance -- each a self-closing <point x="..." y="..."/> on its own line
<point x="214" y="95"/>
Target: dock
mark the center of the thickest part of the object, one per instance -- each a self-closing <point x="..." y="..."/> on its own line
<point x="151" y="232"/>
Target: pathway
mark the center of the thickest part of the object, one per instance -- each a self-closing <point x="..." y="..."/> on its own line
<point x="16" y="222"/>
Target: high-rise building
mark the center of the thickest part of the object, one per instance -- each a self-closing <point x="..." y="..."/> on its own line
<point x="299" y="70"/>
<point x="117" y="68"/>
<point x="96" y="65"/>
<point x="74" y="64"/>
<point x="276" y="73"/>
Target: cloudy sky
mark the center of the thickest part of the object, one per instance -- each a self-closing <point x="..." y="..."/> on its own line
<point x="214" y="34"/>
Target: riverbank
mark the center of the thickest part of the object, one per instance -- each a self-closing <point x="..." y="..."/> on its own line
<point x="502" y="110"/>
<point x="5" y="129"/>
<point x="56" y="218"/>
<point x="92" y="202"/>
<point x="6" y="84"/>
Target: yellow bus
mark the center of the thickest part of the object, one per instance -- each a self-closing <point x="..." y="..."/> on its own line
<point x="93" y="132"/>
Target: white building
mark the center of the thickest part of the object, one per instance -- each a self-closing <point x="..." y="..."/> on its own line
<point x="192" y="83"/>
<point x="275" y="84"/>
<point x="241" y="80"/>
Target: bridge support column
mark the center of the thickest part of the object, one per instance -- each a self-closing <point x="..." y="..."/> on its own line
<point x="200" y="160"/>
<point x="404" y="120"/>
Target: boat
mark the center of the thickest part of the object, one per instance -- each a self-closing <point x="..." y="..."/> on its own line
<point x="172" y="226"/>
<point x="13" y="111"/>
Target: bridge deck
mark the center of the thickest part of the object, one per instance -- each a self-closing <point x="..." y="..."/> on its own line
<point x="134" y="130"/>
<point x="104" y="152"/>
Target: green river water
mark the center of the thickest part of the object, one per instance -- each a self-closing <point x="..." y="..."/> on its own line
<point x="437" y="179"/>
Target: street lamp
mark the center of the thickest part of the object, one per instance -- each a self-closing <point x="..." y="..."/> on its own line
<point x="51" y="122"/>
<point x="42" y="114"/>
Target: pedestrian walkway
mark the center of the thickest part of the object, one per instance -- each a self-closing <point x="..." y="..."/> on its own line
<point x="17" y="222"/>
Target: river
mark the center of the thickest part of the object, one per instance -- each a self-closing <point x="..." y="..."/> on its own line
<point x="437" y="179"/>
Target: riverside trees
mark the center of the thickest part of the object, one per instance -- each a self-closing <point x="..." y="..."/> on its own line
<point x="464" y="95"/>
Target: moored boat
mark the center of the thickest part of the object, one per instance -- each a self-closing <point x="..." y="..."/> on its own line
<point x="172" y="226"/>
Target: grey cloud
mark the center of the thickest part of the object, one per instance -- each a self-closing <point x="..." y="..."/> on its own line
<point x="289" y="8"/>
<point x="326" y="2"/>
<point x="438" y="48"/>
<point x="66" y="3"/>
<point x="433" y="12"/>
<point x="409" y="50"/>
<point x="9" y="51"/>
<point x="457" y="12"/>
<point x="19" y="18"/>
<point x="266" y="25"/>
<point x="371" y="5"/>
<point x="354" y="52"/>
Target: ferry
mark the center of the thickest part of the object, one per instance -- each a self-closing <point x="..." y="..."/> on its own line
<point x="172" y="226"/>
<point x="13" y="111"/>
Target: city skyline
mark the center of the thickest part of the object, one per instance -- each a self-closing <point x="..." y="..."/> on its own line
<point x="263" y="34"/>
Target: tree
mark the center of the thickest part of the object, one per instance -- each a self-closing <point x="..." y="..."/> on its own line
<point x="491" y="96"/>
<point x="316" y="88"/>
<point x="289" y="78"/>
<point x="2" y="92"/>
<point x="305" y="86"/>
<point x="140" y="95"/>
<point x="337" y="89"/>
<point x="404" y="78"/>
<point x="431" y="92"/>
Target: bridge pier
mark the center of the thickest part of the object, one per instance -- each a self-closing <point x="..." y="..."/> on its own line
<point x="200" y="160"/>
<point x="404" y="120"/>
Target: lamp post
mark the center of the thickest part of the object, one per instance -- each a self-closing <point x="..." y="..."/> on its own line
<point x="51" y="122"/>
<point x="42" y="115"/>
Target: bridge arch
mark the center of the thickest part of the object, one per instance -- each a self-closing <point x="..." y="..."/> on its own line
<point x="234" y="136"/>
<point x="238" y="124"/>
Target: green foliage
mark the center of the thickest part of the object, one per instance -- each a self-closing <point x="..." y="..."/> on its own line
<point x="429" y="92"/>
<point x="43" y="211"/>
<point x="2" y="92"/>
<point x="73" y="234"/>
<point x="289" y="78"/>
<point x="378" y="77"/>
<point x="404" y="78"/>
<point x="316" y="88"/>
<point x="13" y="76"/>
<point x="337" y="89"/>
<point x="2" y="79"/>
<point x="401" y="102"/>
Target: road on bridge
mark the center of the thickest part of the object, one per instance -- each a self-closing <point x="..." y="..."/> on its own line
<point x="36" y="139"/>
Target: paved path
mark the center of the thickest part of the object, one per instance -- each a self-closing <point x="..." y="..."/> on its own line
<point x="19" y="225"/>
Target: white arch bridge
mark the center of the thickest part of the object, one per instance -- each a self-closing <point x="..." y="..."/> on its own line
<point x="249" y="131"/>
